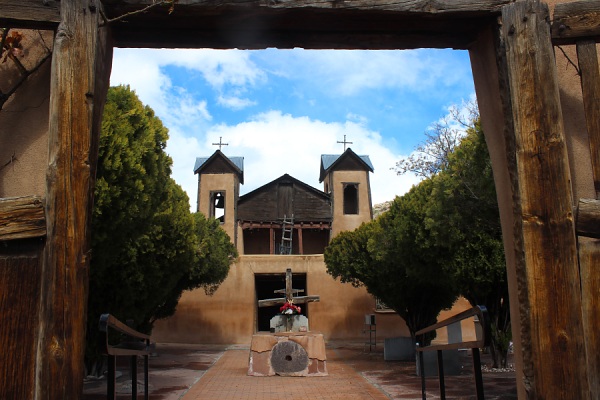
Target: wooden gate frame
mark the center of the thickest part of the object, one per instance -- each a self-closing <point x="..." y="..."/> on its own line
<point x="511" y="45"/>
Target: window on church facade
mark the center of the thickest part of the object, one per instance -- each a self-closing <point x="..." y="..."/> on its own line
<point x="217" y="205"/>
<point x="350" y="198"/>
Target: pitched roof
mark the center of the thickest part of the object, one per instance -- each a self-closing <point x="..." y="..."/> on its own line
<point x="235" y="164"/>
<point x="330" y="161"/>
<point x="285" y="196"/>
<point x="285" y="178"/>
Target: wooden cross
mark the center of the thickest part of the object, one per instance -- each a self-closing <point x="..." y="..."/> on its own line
<point x="344" y="142"/>
<point x="220" y="144"/>
<point x="289" y="294"/>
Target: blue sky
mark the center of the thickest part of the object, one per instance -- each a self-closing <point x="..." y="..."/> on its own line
<point x="282" y="109"/>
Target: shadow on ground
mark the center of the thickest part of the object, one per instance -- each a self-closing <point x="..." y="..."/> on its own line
<point x="176" y="367"/>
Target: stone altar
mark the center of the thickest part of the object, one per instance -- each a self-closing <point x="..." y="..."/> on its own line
<point x="289" y="349"/>
<point x="287" y="354"/>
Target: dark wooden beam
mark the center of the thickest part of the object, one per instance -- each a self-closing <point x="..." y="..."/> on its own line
<point x="306" y="24"/>
<point x="414" y="7"/>
<point x="22" y="218"/>
<point x="576" y="20"/>
<point x="548" y="280"/>
<point x="77" y="91"/>
<point x="29" y="14"/>
<point x="588" y="218"/>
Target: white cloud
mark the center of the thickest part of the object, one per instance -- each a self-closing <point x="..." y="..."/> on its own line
<point x="273" y="144"/>
<point x="235" y="103"/>
<point x="349" y="72"/>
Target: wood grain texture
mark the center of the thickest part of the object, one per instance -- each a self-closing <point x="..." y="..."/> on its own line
<point x="258" y="24"/>
<point x="589" y="260"/>
<point x="588" y="218"/>
<point x="576" y="20"/>
<point x="587" y="58"/>
<point x="408" y="6"/>
<point x="19" y="291"/>
<point x="76" y="94"/>
<point x="29" y="13"/>
<point x="22" y="218"/>
<point x="544" y="231"/>
<point x="310" y="24"/>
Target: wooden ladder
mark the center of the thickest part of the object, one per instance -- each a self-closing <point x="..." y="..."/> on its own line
<point x="287" y="229"/>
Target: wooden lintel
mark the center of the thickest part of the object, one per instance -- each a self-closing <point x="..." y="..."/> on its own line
<point x="29" y="14"/>
<point x="22" y="218"/>
<point x="405" y="6"/>
<point x="310" y="24"/>
<point x="576" y="20"/>
<point x="588" y="218"/>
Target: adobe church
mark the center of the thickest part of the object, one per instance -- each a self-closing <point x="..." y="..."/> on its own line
<point x="283" y="224"/>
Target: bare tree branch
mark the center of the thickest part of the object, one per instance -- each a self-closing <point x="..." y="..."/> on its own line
<point x="140" y="11"/>
<point x="442" y="137"/>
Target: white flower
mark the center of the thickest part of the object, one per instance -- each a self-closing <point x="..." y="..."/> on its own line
<point x="288" y="311"/>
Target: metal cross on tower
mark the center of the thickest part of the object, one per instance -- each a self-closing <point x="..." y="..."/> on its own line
<point x="290" y="294"/>
<point x="220" y="144"/>
<point x="345" y="142"/>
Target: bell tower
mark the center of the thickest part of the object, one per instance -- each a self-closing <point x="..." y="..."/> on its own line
<point x="346" y="179"/>
<point x="219" y="179"/>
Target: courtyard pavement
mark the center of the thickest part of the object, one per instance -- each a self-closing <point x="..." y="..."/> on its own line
<point x="191" y="372"/>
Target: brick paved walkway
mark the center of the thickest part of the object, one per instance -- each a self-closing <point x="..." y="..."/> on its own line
<point x="228" y="379"/>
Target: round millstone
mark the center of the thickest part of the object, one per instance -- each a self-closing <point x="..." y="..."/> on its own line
<point x="288" y="357"/>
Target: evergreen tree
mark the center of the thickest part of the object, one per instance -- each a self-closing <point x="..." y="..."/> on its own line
<point x="394" y="259"/>
<point x="147" y="248"/>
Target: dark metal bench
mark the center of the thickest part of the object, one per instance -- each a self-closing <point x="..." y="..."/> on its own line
<point x="136" y="344"/>
<point x="482" y="329"/>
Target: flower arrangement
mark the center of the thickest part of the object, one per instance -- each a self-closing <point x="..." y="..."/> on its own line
<point x="289" y="308"/>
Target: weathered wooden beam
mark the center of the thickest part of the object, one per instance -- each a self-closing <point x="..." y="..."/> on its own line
<point x="588" y="218"/>
<point x="22" y="218"/>
<point x="477" y="7"/>
<point x="589" y="260"/>
<point x="587" y="58"/>
<point x="251" y="39"/>
<point x="576" y="20"/>
<point x="29" y="13"/>
<point x="76" y="101"/>
<point x="548" y="280"/>
<point x="332" y="24"/>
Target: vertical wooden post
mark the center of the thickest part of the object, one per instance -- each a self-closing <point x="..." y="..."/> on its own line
<point x="544" y="234"/>
<point x="589" y="249"/>
<point x="587" y="57"/>
<point x="80" y="71"/>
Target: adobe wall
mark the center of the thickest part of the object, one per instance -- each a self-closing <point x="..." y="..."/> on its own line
<point x="24" y="123"/>
<point x="217" y="319"/>
<point x="220" y="182"/>
<point x="341" y="221"/>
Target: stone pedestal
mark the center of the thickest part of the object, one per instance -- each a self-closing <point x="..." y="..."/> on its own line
<point x="287" y="354"/>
